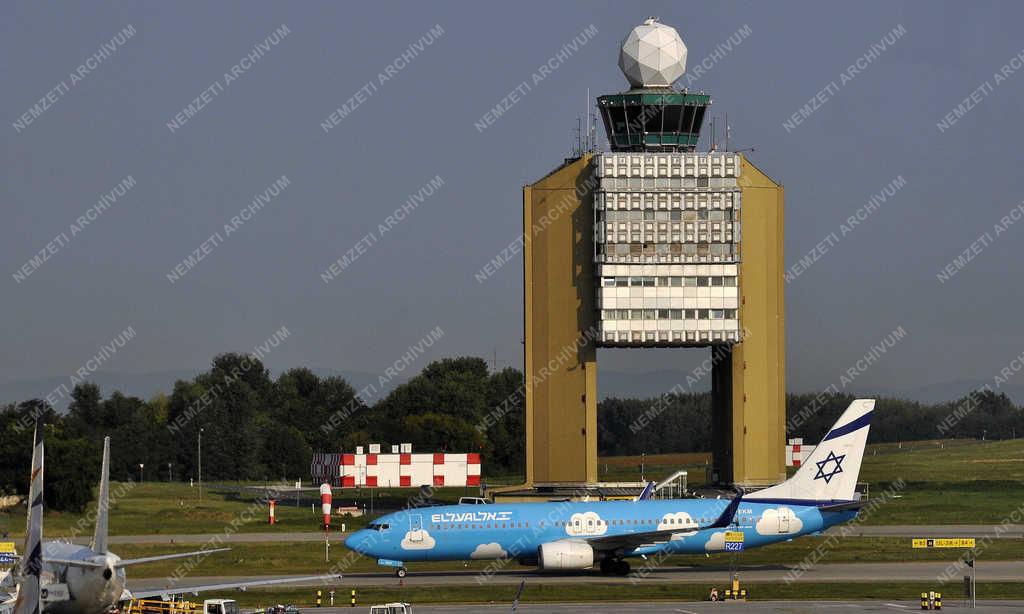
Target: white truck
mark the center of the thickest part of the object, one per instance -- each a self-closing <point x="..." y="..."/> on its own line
<point x="220" y="606"/>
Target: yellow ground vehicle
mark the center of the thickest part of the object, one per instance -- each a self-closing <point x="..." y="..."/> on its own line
<point x="155" y="606"/>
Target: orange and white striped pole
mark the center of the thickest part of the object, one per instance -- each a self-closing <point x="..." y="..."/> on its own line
<point x="325" y="504"/>
<point x="272" y="502"/>
<point x="325" y="507"/>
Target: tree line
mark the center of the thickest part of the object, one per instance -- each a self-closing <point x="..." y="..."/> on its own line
<point x="255" y="427"/>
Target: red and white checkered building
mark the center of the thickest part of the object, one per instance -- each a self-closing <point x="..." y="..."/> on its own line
<point x="398" y="469"/>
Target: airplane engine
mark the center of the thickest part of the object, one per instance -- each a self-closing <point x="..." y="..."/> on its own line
<point x="565" y="555"/>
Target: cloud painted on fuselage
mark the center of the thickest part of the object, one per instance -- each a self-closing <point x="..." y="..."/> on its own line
<point x="677" y="520"/>
<point x="781" y="521"/>
<point x="716" y="542"/>
<point x="586" y="523"/>
<point x="492" y="550"/>
<point x="418" y="540"/>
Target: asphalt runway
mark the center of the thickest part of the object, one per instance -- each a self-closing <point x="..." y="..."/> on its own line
<point x="924" y="571"/>
<point x="684" y="607"/>
<point x="1015" y="531"/>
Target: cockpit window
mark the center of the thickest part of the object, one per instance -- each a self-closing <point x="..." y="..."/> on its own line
<point x="378" y="526"/>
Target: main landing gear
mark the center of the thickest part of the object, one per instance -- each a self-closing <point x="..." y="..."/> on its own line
<point x="401" y="572"/>
<point x="618" y="567"/>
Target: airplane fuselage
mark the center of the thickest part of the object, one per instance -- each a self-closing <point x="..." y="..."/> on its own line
<point x="463" y="532"/>
<point x="91" y="589"/>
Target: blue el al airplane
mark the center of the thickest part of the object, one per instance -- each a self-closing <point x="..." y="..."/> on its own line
<point x="584" y="534"/>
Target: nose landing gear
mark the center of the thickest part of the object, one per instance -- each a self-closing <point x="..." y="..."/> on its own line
<point x="401" y="572"/>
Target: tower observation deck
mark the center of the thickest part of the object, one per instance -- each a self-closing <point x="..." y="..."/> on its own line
<point x="653" y="115"/>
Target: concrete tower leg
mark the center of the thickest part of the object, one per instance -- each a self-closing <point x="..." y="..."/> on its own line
<point x="560" y="349"/>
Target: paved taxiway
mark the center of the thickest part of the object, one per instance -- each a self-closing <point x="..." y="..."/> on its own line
<point x="988" y="571"/>
<point x="684" y="607"/>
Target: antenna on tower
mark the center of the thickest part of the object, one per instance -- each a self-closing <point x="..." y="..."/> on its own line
<point x="727" y="131"/>
<point x="495" y="361"/>
<point x="579" y="137"/>
<point x="586" y="109"/>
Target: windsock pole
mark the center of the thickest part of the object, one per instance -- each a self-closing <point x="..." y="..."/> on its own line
<point x="325" y="505"/>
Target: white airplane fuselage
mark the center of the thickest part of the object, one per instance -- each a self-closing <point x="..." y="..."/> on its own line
<point x="90" y="589"/>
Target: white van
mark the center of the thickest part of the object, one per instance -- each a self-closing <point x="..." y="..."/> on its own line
<point x="391" y="608"/>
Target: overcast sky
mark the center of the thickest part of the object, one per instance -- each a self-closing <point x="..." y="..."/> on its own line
<point x="114" y="75"/>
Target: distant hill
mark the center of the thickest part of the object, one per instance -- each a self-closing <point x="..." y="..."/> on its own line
<point x="610" y="384"/>
<point x="618" y="384"/>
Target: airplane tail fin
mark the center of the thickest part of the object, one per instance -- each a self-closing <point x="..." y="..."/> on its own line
<point x="31" y="564"/>
<point x="99" y="538"/>
<point x="829" y="475"/>
<point x="647" y="492"/>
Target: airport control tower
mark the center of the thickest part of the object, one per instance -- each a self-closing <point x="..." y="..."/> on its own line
<point x="654" y="244"/>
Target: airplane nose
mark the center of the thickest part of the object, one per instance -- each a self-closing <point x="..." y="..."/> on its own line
<point x="356" y="540"/>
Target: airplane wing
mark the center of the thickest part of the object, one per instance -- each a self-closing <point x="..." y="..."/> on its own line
<point x="8" y="583"/>
<point x="74" y="563"/>
<point x="635" y="540"/>
<point x="167" y="593"/>
<point x="164" y="557"/>
<point x="127" y="562"/>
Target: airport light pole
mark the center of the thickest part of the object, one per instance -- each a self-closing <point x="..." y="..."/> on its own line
<point x="141" y="465"/>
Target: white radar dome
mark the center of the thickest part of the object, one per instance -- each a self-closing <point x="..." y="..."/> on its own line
<point x="653" y="55"/>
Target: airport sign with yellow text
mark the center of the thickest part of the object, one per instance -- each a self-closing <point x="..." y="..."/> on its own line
<point x="950" y="542"/>
<point x="733" y="541"/>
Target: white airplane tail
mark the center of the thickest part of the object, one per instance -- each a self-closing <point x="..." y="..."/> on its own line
<point x="30" y="567"/>
<point x="99" y="538"/>
<point x="829" y="475"/>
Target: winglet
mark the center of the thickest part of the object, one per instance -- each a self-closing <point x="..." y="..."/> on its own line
<point x="99" y="538"/>
<point x="647" y="492"/>
<point x="727" y="514"/>
<point x="29" y="601"/>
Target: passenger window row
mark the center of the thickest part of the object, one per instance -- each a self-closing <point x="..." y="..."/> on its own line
<point x="558" y="523"/>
